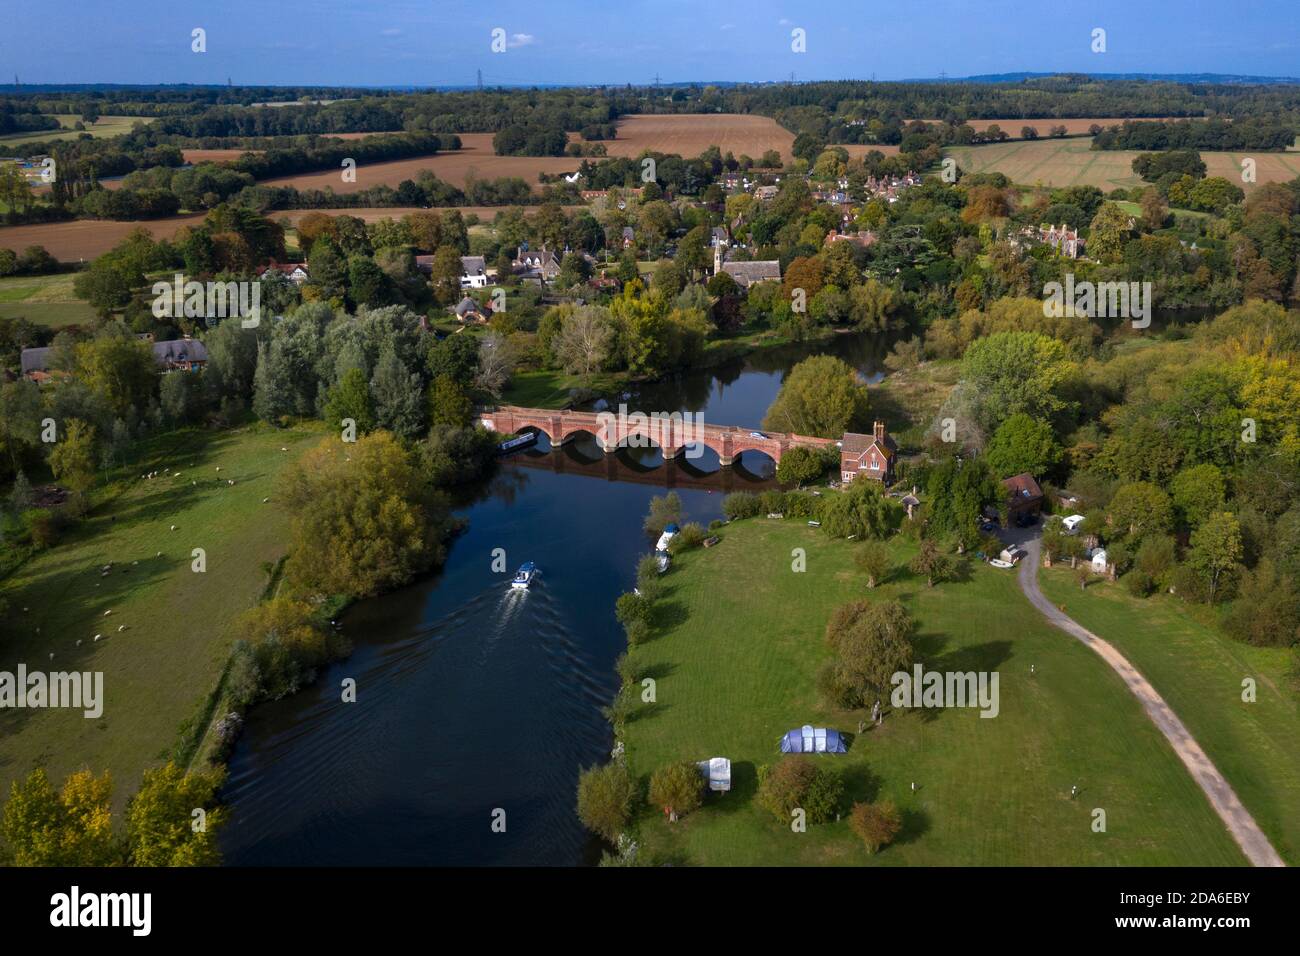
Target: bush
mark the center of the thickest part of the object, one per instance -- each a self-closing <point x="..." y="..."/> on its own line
<point x="876" y="824"/>
<point x="1267" y="612"/>
<point x="1139" y="583"/>
<point x="648" y="580"/>
<point x="677" y="787"/>
<point x="739" y="505"/>
<point x="42" y="528"/>
<point x="664" y="510"/>
<point x="800" y="465"/>
<point x="771" y="502"/>
<point x="605" y="799"/>
<point x="717" y="523"/>
<point x="802" y="504"/>
<point x="690" y="536"/>
<point x="796" y="782"/>
<point x="637" y="632"/>
<point x="632" y="607"/>
<point x="285" y="646"/>
<point x="874" y="561"/>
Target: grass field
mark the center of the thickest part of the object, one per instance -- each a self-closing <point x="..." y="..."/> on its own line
<point x="1070" y="162"/>
<point x="735" y="666"/>
<point x="44" y="300"/>
<point x="157" y="672"/>
<point x="1200" y="672"/>
<point x="103" y="127"/>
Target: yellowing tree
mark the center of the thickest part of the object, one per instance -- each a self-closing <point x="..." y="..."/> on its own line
<point x="73" y="827"/>
<point x="162" y="827"/>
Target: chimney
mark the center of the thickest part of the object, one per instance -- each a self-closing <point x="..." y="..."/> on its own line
<point x="878" y="430"/>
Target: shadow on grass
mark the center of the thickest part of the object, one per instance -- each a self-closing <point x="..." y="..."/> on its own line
<point x="916" y="823"/>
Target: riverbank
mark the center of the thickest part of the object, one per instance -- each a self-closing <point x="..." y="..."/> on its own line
<point x="734" y="660"/>
<point x="165" y="644"/>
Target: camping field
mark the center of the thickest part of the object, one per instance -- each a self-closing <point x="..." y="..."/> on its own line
<point x="1199" y="672"/>
<point x="161" y="667"/>
<point x="734" y="662"/>
<point x="1070" y="162"/>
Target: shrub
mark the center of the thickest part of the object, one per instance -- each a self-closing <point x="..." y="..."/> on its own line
<point x="802" y="504"/>
<point x="771" y="502"/>
<point x="1138" y="583"/>
<point x="873" y="560"/>
<point x="632" y="607"/>
<point x="42" y="528"/>
<point x="716" y="523"/>
<point x="796" y="782"/>
<point x="605" y="799"/>
<point x="876" y="824"/>
<point x="648" y="580"/>
<point x="285" y="646"/>
<point x="739" y="505"/>
<point x="800" y="465"/>
<point x="1267" y="612"/>
<point x="690" y="536"/>
<point x="677" y="787"/>
<point x="664" y="510"/>
<point x="637" y="632"/>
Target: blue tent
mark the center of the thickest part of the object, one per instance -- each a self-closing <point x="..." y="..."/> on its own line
<point x="813" y="740"/>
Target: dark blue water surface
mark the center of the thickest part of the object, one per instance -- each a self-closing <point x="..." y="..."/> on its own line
<point x="471" y="697"/>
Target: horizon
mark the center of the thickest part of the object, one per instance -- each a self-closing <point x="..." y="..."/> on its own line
<point x="416" y="44"/>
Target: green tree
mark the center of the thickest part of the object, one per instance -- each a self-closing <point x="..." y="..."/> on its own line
<point x="822" y="397"/>
<point x="118" y="368"/>
<point x="160" y="820"/>
<point x="398" y="394"/>
<point x="862" y="510"/>
<point x="1198" y="492"/>
<point x="1110" y="230"/>
<point x="678" y="788"/>
<point x="664" y="510"/>
<point x="1140" y="508"/>
<point x="73" y="457"/>
<point x="1017" y="372"/>
<point x="800" y="465"/>
<point x="71" y="827"/>
<point x="875" y="561"/>
<point x="350" y="398"/>
<point x="1216" y="549"/>
<point x="445" y="275"/>
<point x="872" y="642"/>
<point x="449" y="405"/>
<point x="795" y="782"/>
<point x="1022" y="444"/>
<point x="931" y="563"/>
<point x="606" y="797"/>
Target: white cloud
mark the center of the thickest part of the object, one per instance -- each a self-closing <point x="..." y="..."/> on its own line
<point x="783" y="22"/>
<point x="521" y="39"/>
<point x="727" y="26"/>
<point x="391" y="32"/>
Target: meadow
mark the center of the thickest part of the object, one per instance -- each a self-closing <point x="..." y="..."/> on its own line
<point x="740" y="639"/>
<point x="160" y="669"/>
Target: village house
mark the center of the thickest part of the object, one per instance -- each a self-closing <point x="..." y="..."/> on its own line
<point x="539" y="266"/>
<point x="1024" y="496"/>
<point x="871" y="456"/>
<point x="862" y="239"/>
<point x="629" y="237"/>
<point x="766" y="193"/>
<point x="747" y="273"/>
<point x="467" y="310"/>
<point x="473" y="272"/>
<point x="295" y="272"/>
<point x="719" y="238"/>
<point x="1065" y="241"/>
<point x="176" y="355"/>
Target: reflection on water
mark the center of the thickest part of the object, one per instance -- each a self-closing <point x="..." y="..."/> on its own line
<point x="471" y="696"/>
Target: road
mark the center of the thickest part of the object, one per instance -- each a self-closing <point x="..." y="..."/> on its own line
<point x="1217" y="790"/>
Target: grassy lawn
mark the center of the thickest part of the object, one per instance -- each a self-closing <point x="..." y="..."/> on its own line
<point x="103" y="127"/>
<point x="735" y="665"/>
<point x="909" y="400"/>
<point x="1256" y="746"/>
<point x="44" y="300"/>
<point x="549" y="388"/>
<point x="158" y="672"/>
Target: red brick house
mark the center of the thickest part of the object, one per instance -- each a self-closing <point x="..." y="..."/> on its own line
<point x="871" y="456"/>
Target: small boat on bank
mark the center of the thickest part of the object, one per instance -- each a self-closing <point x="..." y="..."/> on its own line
<point x="514" y="444"/>
<point x="524" y="576"/>
<point x="670" y="531"/>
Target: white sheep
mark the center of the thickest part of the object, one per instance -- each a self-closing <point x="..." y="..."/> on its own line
<point x="108" y="612"/>
<point x="98" y="636"/>
<point x="121" y="628"/>
<point x="173" y="527"/>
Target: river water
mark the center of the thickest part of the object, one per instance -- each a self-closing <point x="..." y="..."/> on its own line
<point x="474" y="699"/>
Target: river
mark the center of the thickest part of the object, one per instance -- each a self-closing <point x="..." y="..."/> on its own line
<point x="472" y="698"/>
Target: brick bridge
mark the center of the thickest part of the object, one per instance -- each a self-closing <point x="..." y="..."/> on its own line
<point x="673" y="473"/>
<point x="670" y="433"/>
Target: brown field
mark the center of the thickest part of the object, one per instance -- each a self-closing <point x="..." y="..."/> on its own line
<point x="858" y="150"/>
<point x="1012" y="125"/>
<point x="688" y="135"/>
<point x="88" y="238"/>
<point x="211" y="155"/>
<point x="1070" y="162"/>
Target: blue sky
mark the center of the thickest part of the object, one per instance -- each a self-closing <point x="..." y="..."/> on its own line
<point x="439" y="42"/>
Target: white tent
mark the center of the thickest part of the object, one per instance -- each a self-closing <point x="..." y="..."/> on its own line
<point x="1099" y="560"/>
<point x="716" y="770"/>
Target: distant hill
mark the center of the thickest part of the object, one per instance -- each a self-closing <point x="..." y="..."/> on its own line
<point x="1228" y="78"/>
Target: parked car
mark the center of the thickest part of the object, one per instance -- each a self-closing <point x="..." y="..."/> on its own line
<point x="757" y="435"/>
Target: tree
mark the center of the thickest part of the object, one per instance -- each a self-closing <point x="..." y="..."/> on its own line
<point x="1267" y="610"/>
<point x="799" y="465"/>
<point x="73" y="458"/>
<point x="1140" y="508"/>
<point x="1022" y="444"/>
<point x="160" y="818"/>
<point x="931" y="563"/>
<point x="398" y="395"/>
<point x="606" y="796"/>
<point x="350" y="398"/>
<point x="444" y="276"/>
<point x="1017" y="372"/>
<point x="957" y="493"/>
<point x="362" y="517"/>
<point x="496" y="363"/>
<point x="872" y="642"/>
<point x="1198" y="492"/>
<point x="73" y="827"/>
<point x="862" y="510"/>
<point x="821" y="396"/>
<point x="664" y="510"/>
<point x="118" y="368"/>
<point x="678" y="788"/>
<point x="876" y="824"/>
<point x="795" y="782"/>
<point x="874" y="560"/>
<point x="871" y="304"/>
<point x="448" y="404"/>
<point x="1110" y="230"/>
<point x="585" y="340"/>
<point x="1216" y="549"/>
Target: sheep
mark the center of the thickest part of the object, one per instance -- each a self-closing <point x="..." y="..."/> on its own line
<point x="98" y="636"/>
<point x="108" y="612"/>
<point x="265" y="500"/>
<point x="121" y="628"/>
<point x="78" y="642"/>
<point x="173" y="527"/>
